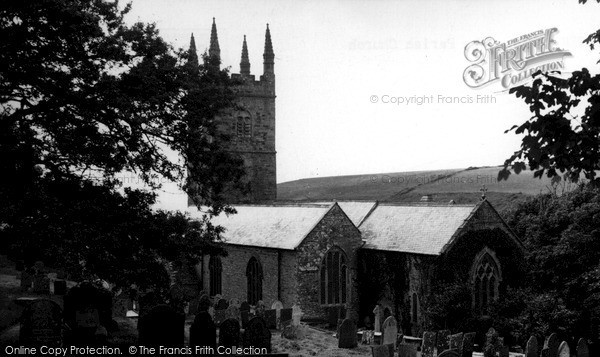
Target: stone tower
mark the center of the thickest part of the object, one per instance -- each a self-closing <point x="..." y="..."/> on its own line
<point x="251" y="124"/>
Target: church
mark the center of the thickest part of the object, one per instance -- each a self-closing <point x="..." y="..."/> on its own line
<point x="346" y="256"/>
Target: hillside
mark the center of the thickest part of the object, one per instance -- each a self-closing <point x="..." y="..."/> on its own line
<point x="460" y="185"/>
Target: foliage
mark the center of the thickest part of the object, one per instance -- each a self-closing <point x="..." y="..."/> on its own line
<point x="563" y="134"/>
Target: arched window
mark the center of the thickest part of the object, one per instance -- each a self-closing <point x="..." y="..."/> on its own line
<point x="334" y="278"/>
<point x="415" y="308"/>
<point x="243" y="125"/>
<point x="215" y="269"/>
<point x="486" y="279"/>
<point x="254" y="276"/>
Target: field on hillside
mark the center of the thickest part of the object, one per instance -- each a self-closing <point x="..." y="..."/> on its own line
<point x="460" y="185"/>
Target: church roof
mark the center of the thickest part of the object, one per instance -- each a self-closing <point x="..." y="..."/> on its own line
<point x="355" y="210"/>
<point x="271" y="226"/>
<point x="417" y="228"/>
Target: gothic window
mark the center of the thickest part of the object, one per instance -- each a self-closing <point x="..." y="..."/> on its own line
<point x="254" y="275"/>
<point x="486" y="278"/>
<point x="244" y="125"/>
<point x="215" y="269"/>
<point x="334" y="278"/>
<point x="415" y="308"/>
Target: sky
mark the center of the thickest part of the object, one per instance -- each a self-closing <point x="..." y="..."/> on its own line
<point x="333" y="57"/>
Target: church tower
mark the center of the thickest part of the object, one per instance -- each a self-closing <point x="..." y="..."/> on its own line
<point x="251" y="123"/>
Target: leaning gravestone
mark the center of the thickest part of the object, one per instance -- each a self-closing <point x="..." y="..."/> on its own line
<point x="442" y="342"/>
<point x="563" y="350"/>
<point x="270" y="317"/>
<point x="407" y="350"/>
<point x="41" y="324"/>
<point x="390" y="331"/>
<point x="229" y="333"/>
<point x="161" y="326"/>
<point x="467" y="344"/>
<point x="257" y="334"/>
<point x="551" y="344"/>
<point x="582" y="348"/>
<point x="285" y="317"/>
<point x="347" y="334"/>
<point x="531" y="349"/>
<point x="456" y="342"/>
<point x="203" y="332"/>
<point x="428" y="345"/>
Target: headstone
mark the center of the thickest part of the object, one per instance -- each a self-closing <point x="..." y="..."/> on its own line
<point x="244" y="306"/>
<point x="442" y="342"/>
<point x="449" y="353"/>
<point x="407" y="350"/>
<point x="204" y="303"/>
<point x="245" y="317"/>
<point x="257" y="334"/>
<point x="26" y="280"/>
<point x="41" y="284"/>
<point x="161" y="326"/>
<point x="60" y="287"/>
<point x="582" y="348"/>
<point x="286" y="317"/>
<point x="276" y="305"/>
<point x="260" y="308"/>
<point x="563" y="350"/>
<point x="41" y="324"/>
<point x="531" y="349"/>
<point x="296" y="315"/>
<point x="203" y="331"/>
<point x="377" y="323"/>
<point x="347" y="334"/>
<point x="390" y="331"/>
<point x="467" y="344"/>
<point x="229" y="333"/>
<point x="428" y="345"/>
<point x="455" y="342"/>
<point x="270" y="317"/>
<point x="504" y="351"/>
<point x="332" y="316"/>
<point x="222" y="304"/>
<point x="552" y="344"/>
<point x="380" y="351"/>
<point x="88" y="312"/>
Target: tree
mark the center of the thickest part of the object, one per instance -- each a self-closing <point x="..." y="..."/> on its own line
<point x="84" y="97"/>
<point x="563" y="135"/>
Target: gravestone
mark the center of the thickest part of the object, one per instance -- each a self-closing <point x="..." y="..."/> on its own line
<point x="428" y="344"/>
<point x="390" y="331"/>
<point x="442" y="342"/>
<point x="296" y="315"/>
<point x="204" y="303"/>
<point x="347" y="334"/>
<point x="407" y="350"/>
<point x="332" y="316"/>
<point x="551" y="344"/>
<point x="455" y="342"/>
<point x="60" y="287"/>
<point x="582" y="348"/>
<point x="270" y="317"/>
<point x="377" y="323"/>
<point x="467" y="344"/>
<point x="245" y="317"/>
<point x="449" y="353"/>
<point x="203" y="331"/>
<point x="285" y="317"/>
<point x="380" y="351"/>
<point x="244" y="306"/>
<point x="88" y="312"/>
<point x="257" y="334"/>
<point x="277" y="306"/>
<point x="26" y="280"/>
<point x="229" y="333"/>
<point x="563" y="350"/>
<point x="504" y="352"/>
<point x="41" y="284"/>
<point x="531" y="349"/>
<point x="161" y="326"/>
<point x="260" y="308"/>
<point x="222" y="304"/>
<point x="41" y="324"/>
<point x="545" y="352"/>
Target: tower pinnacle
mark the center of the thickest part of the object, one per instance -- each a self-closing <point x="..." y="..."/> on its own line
<point x="268" y="56"/>
<point x="214" y="51"/>
<point x="192" y="52"/>
<point x="245" y="63"/>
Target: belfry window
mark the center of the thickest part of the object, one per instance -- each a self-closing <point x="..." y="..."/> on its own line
<point x="334" y="278"/>
<point x="486" y="279"/>
<point x="244" y="125"/>
<point x="215" y="269"/>
<point x="254" y="276"/>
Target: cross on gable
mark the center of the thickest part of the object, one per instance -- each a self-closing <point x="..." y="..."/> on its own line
<point x="483" y="190"/>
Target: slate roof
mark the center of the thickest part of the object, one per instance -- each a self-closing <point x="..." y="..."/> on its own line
<point x="420" y="229"/>
<point x="271" y="226"/>
<point x="355" y="210"/>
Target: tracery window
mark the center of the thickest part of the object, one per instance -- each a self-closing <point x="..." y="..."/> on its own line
<point x="486" y="279"/>
<point x="334" y="277"/>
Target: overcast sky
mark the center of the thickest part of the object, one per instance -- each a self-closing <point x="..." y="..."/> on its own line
<point x="331" y="57"/>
